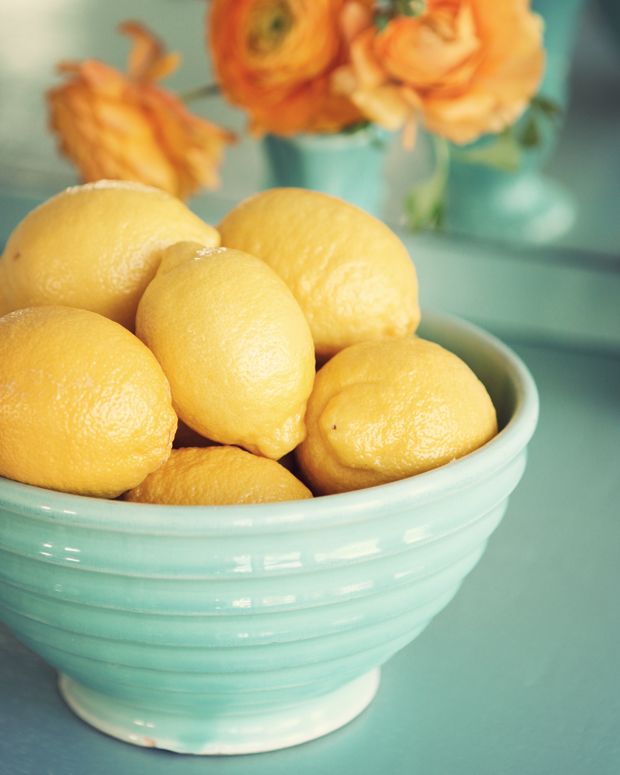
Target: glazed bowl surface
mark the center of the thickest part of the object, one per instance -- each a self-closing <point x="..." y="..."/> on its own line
<point x="238" y="629"/>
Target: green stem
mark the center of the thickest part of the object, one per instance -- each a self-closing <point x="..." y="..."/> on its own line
<point x="502" y="152"/>
<point x="413" y="7"/>
<point x="442" y="158"/>
<point x="424" y="204"/>
<point x="209" y="90"/>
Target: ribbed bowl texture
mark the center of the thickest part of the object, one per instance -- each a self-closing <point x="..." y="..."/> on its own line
<point x="245" y="628"/>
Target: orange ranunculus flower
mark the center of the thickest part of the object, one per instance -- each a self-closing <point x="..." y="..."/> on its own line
<point x="126" y="127"/>
<point x="274" y="58"/>
<point x="467" y="66"/>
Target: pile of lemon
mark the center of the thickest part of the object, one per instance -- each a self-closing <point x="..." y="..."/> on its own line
<point x="139" y="357"/>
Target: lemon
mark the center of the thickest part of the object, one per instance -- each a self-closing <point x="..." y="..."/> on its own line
<point x="349" y="272"/>
<point x="382" y="411"/>
<point x="217" y="476"/>
<point x="234" y="345"/>
<point x="84" y="406"/>
<point x="95" y="247"/>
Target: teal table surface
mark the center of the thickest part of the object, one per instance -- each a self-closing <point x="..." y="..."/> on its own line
<point x="518" y="676"/>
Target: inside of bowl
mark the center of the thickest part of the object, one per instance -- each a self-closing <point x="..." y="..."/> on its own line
<point x="490" y="360"/>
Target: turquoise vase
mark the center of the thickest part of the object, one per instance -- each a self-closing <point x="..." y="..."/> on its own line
<point x="521" y="204"/>
<point x="610" y="12"/>
<point x="347" y="165"/>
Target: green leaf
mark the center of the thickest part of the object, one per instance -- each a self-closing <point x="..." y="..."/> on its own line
<point x="547" y="106"/>
<point x="424" y="205"/>
<point x="412" y="7"/>
<point x="381" y="20"/>
<point x="358" y="126"/>
<point x="386" y="10"/>
<point x="503" y="153"/>
<point x="529" y="134"/>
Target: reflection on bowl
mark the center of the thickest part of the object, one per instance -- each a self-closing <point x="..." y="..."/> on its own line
<point x="237" y="629"/>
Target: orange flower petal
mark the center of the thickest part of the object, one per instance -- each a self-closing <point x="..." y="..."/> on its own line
<point x="426" y="50"/>
<point x="384" y="105"/>
<point x="274" y="58"/>
<point x="127" y="127"/>
<point x="148" y="60"/>
<point x="355" y="18"/>
<point x="470" y="66"/>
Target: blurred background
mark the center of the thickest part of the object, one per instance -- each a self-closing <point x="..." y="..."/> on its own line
<point x="553" y="275"/>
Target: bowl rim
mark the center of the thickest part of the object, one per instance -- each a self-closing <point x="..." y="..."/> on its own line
<point x="358" y="505"/>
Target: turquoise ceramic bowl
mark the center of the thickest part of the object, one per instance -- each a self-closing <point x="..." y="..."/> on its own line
<point x="238" y="629"/>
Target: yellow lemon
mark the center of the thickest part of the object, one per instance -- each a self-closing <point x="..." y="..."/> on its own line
<point x="234" y="345"/>
<point x="95" y="247"/>
<point x="382" y="411"/>
<point x="349" y="272"/>
<point x="217" y="476"/>
<point x="84" y="405"/>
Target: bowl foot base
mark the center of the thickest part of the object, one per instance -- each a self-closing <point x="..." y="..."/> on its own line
<point x="217" y="734"/>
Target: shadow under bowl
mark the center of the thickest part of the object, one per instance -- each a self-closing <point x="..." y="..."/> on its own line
<point x="238" y="629"/>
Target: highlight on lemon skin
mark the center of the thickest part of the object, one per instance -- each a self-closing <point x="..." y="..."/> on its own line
<point x="234" y="344"/>
<point x="95" y="247"/>
<point x="84" y="406"/>
<point x="350" y="273"/>
<point x="212" y="476"/>
<point x="383" y="411"/>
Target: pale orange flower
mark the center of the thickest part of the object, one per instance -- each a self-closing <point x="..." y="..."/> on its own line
<point x="274" y="59"/>
<point x="468" y="67"/>
<point x="125" y="126"/>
